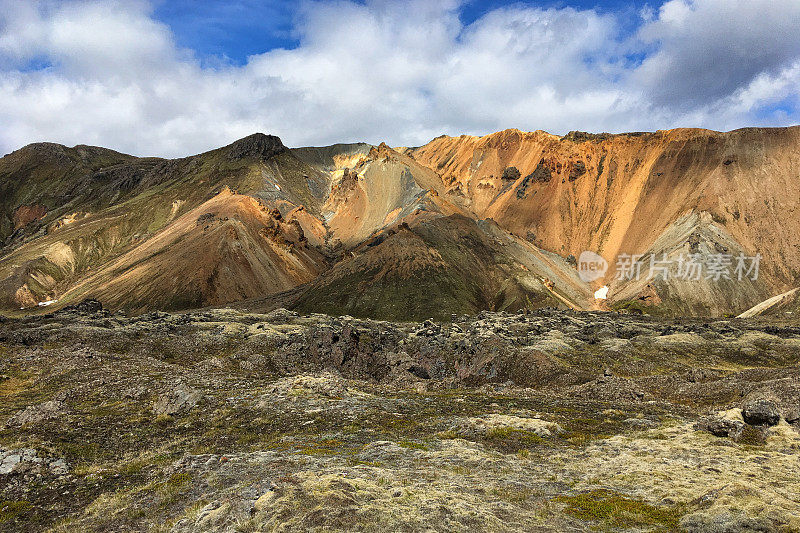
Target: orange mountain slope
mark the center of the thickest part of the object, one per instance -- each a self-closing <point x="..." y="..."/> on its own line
<point x="616" y="194"/>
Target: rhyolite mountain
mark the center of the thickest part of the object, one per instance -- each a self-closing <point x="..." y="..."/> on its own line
<point x="459" y="225"/>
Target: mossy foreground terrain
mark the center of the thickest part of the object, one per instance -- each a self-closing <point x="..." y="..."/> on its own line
<point x="222" y="420"/>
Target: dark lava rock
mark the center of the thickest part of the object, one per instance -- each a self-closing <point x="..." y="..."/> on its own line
<point x="419" y="371"/>
<point x="792" y="414"/>
<point x="578" y="170"/>
<point x="735" y="430"/>
<point x="87" y="307"/>
<point x="761" y="412"/>
<point x="543" y="172"/>
<point x="257" y="145"/>
<point x="721" y="427"/>
<point x="205" y="217"/>
<point x="511" y="174"/>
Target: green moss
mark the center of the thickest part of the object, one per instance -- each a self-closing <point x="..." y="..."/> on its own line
<point x="633" y="306"/>
<point x="512" y="440"/>
<point x="460" y="470"/>
<point x="80" y="451"/>
<point x="392" y="423"/>
<point x="618" y="511"/>
<point x="134" y="467"/>
<point x="179" y="480"/>
<point x="163" y="419"/>
<point x="412" y="445"/>
<point x="9" y="510"/>
<point x="14" y="386"/>
<point x="520" y="435"/>
<point x="580" y="430"/>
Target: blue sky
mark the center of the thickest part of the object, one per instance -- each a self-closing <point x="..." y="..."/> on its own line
<point x="235" y="30"/>
<point x="175" y="77"/>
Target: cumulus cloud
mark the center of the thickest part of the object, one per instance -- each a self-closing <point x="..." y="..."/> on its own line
<point x="108" y="73"/>
<point x="709" y="49"/>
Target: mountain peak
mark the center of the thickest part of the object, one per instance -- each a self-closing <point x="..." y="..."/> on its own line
<point x="257" y="145"/>
<point x="41" y="149"/>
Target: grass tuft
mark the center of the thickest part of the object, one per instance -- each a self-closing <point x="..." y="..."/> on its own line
<point x="9" y="510"/>
<point x="616" y="510"/>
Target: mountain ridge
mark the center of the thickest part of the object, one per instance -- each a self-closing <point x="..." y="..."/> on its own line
<point x="70" y="213"/>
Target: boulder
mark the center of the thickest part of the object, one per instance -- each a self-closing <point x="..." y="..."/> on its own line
<point x="761" y="412"/>
<point x="783" y="393"/>
<point x="9" y="463"/>
<point x="723" y="424"/>
<point x="59" y="467"/>
<point x="27" y="461"/>
<point x="722" y="427"/>
<point x="181" y="399"/>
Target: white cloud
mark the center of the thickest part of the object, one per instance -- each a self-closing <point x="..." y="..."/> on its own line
<point x="768" y="88"/>
<point x="708" y="49"/>
<point x="390" y="71"/>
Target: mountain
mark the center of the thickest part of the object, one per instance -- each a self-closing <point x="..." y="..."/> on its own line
<point x="149" y="234"/>
<point x="439" y="266"/>
<point x="456" y="226"/>
<point x="685" y="190"/>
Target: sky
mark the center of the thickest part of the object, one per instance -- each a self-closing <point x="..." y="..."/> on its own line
<point x="173" y="78"/>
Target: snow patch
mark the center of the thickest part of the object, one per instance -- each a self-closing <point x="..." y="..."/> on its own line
<point x="601" y="293"/>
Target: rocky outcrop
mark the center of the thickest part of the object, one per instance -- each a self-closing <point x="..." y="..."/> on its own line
<point x="180" y="399"/>
<point x="578" y="169"/>
<point x="761" y="412"/>
<point x="510" y="174"/>
<point x="27" y="461"/>
<point x="36" y="414"/>
<point x="258" y="145"/>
